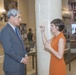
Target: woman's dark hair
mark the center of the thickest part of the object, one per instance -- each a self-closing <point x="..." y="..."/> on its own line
<point x="58" y="23"/>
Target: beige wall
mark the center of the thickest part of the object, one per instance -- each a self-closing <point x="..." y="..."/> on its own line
<point x="31" y="16"/>
<point x="27" y="8"/>
<point x="1" y="5"/>
<point x="23" y="7"/>
<point x="31" y="13"/>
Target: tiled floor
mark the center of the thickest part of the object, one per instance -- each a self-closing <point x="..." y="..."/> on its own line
<point x="73" y="68"/>
<point x="31" y="71"/>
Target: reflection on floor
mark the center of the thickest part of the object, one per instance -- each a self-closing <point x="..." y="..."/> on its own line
<point x="73" y="68"/>
<point x="31" y="71"/>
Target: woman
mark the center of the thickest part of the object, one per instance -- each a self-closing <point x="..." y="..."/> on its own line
<point x="56" y="46"/>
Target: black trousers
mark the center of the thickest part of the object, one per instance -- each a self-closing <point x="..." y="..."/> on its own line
<point x="15" y="73"/>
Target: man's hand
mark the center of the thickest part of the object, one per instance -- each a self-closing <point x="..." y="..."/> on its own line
<point x="25" y="60"/>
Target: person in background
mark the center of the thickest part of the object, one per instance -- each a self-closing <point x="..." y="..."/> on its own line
<point x="56" y="46"/>
<point x="15" y="55"/>
<point x="30" y="38"/>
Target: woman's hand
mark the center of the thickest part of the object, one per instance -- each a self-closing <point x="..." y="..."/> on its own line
<point x="44" y="39"/>
<point x="42" y="28"/>
<point x="47" y="45"/>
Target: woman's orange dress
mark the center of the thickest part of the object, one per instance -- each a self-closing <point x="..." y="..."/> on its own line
<point x="57" y="66"/>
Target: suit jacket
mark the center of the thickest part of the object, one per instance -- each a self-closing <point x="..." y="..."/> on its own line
<point x="14" y="50"/>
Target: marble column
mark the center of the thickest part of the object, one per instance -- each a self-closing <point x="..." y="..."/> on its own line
<point x="46" y="11"/>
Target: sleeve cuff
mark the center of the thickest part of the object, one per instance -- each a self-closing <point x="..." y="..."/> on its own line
<point x="26" y="55"/>
<point x="22" y="60"/>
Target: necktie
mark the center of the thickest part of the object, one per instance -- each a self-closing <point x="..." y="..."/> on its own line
<point x="17" y="33"/>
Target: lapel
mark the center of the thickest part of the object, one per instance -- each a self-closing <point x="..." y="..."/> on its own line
<point x="15" y="35"/>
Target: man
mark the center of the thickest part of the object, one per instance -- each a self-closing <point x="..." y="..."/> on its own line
<point x="30" y="35"/>
<point x="30" y="38"/>
<point x="15" y="55"/>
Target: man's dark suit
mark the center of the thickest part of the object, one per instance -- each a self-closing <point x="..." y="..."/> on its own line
<point x="14" y="50"/>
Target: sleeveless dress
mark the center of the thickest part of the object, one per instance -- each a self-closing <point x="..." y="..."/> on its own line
<point x="57" y="66"/>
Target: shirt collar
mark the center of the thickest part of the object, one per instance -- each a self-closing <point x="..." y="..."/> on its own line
<point x="12" y="26"/>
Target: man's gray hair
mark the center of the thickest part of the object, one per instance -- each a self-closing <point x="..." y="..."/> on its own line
<point x="12" y="12"/>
